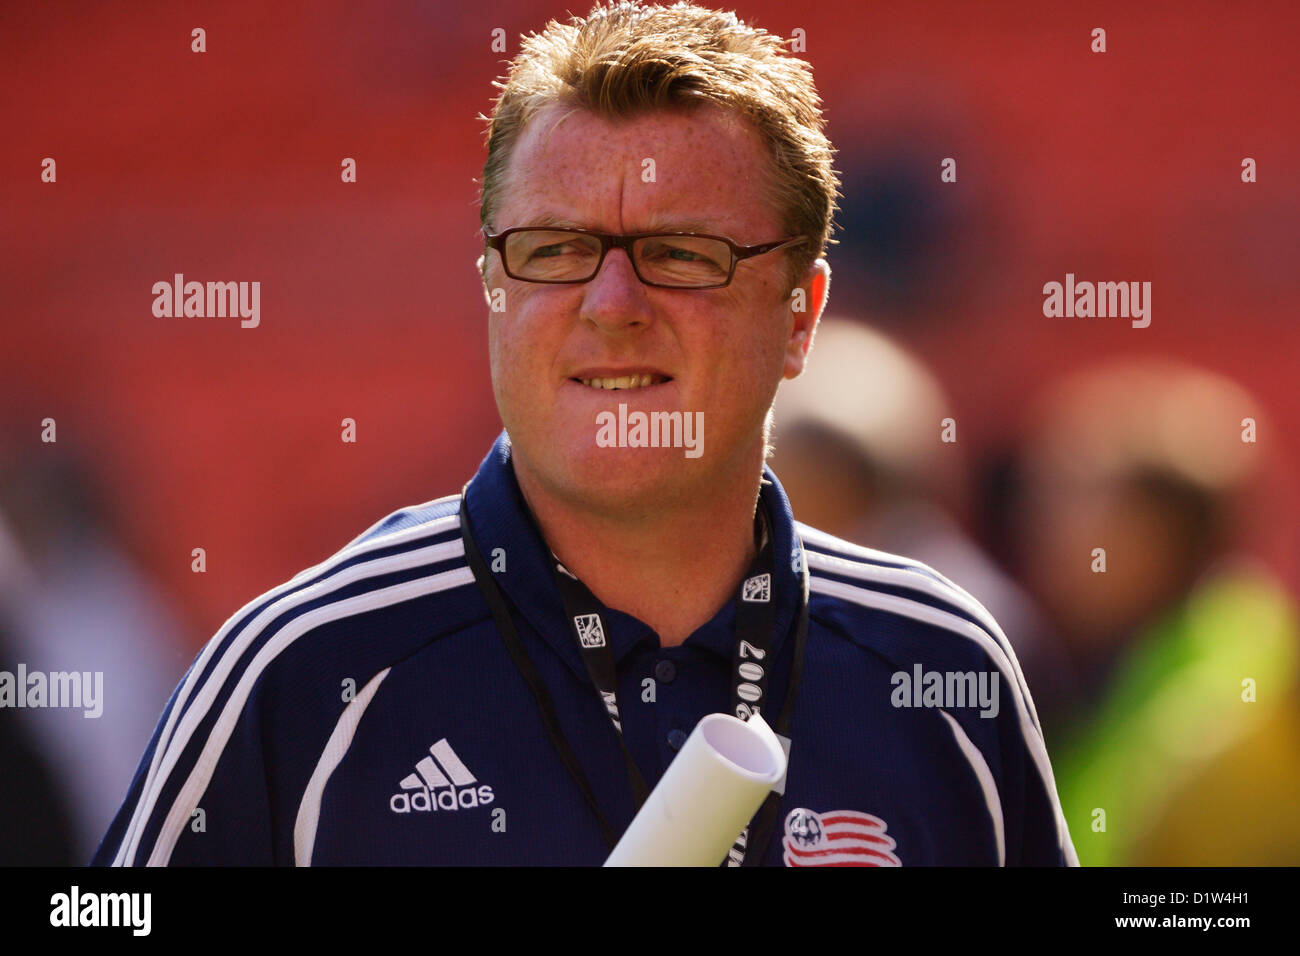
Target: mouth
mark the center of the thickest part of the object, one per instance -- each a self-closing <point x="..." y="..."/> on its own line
<point x="623" y="382"/>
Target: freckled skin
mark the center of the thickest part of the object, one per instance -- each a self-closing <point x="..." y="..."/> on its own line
<point x="726" y="349"/>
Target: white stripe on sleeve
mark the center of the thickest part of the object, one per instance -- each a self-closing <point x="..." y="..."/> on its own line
<point x="304" y="827"/>
<point x="987" y="783"/>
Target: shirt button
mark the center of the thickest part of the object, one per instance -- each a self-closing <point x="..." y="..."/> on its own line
<point x="676" y="738"/>
<point x="665" y="671"/>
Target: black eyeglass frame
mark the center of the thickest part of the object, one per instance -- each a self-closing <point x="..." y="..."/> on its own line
<point x="609" y="241"/>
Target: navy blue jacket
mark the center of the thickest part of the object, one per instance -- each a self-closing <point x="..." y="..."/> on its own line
<point x="368" y="712"/>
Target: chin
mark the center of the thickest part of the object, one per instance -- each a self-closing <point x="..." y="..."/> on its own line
<point x="617" y="479"/>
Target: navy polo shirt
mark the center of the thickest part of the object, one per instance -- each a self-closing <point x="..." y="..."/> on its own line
<point x="368" y="712"/>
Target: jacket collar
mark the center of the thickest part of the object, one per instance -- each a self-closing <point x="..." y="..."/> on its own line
<point x="500" y="519"/>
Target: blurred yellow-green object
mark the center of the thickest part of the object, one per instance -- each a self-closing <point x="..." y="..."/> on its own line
<point x="1243" y="808"/>
<point x="1174" y="751"/>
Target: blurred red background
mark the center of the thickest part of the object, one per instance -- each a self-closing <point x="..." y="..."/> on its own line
<point x="226" y="166"/>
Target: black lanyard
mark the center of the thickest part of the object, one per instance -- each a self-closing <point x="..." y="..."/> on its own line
<point x="755" y="624"/>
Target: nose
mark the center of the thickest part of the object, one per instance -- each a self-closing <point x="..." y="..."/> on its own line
<point x="615" y="299"/>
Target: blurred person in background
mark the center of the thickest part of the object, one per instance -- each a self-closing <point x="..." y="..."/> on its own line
<point x="858" y="444"/>
<point x="72" y="601"/>
<point x="1182" y="748"/>
<point x="36" y="827"/>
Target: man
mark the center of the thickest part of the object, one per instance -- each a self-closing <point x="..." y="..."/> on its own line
<point x="519" y="665"/>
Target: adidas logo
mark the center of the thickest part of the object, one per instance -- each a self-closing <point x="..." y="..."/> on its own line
<point x="440" y="782"/>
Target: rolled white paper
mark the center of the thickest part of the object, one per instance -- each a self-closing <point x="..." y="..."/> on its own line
<point x="710" y="791"/>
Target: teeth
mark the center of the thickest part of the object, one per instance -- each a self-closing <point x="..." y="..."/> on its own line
<point x="622" y="381"/>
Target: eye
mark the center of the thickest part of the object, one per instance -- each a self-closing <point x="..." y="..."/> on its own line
<point x="543" y="244"/>
<point x="555" y="249"/>
<point x="695" y="251"/>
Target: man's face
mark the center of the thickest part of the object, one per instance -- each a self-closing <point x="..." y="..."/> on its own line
<point x="721" y="351"/>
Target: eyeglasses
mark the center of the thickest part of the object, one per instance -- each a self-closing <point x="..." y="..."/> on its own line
<point x="678" y="260"/>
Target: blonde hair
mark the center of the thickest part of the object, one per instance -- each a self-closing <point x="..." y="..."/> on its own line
<point x="626" y="58"/>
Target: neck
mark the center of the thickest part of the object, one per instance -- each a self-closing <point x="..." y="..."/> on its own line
<point x="672" y="566"/>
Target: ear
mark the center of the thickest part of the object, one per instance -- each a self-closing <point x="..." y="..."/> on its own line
<point x="481" y="266"/>
<point x="807" y="302"/>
